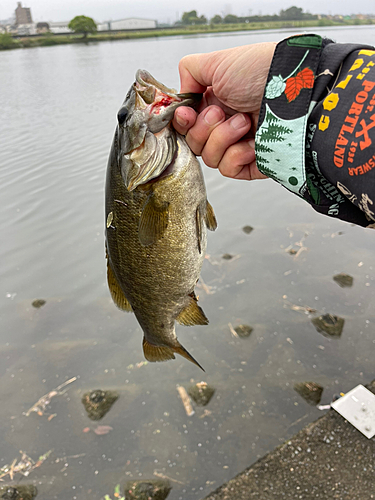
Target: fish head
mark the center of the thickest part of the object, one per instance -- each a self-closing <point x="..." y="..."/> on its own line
<point x="146" y="142"/>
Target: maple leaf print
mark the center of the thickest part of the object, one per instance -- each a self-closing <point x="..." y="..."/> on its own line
<point x="303" y="80"/>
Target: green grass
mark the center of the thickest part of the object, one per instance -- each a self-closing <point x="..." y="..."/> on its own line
<point x="7" y="42"/>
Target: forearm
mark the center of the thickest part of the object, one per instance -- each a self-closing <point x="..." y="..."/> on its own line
<point x="316" y="130"/>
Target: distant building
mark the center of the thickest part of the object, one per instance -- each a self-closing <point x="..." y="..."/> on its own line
<point x="23" y="15"/>
<point x="42" y="27"/>
<point x="8" y="26"/>
<point x="59" y="27"/>
<point x="26" y="29"/>
<point x="131" y="23"/>
<point x="8" y="22"/>
<point x="106" y="26"/>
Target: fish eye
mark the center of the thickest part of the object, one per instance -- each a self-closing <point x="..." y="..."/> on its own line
<point x="122" y="115"/>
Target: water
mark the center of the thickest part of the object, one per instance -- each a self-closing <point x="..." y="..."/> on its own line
<point x="58" y="111"/>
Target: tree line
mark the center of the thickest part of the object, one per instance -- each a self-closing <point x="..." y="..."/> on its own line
<point x="290" y="14"/>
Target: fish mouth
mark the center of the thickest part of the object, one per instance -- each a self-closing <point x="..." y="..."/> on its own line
<point x="157" y="152"/>
<point x="159" y="96"/>
<point x="146" y="80"/>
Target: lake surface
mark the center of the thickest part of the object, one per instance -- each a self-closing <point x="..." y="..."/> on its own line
<point x="58" y="114"/>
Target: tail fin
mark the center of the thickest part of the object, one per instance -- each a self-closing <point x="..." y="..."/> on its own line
<point x="157" y="353"/>
<point x="179" y="349"/>
<point x="163" y="353"/>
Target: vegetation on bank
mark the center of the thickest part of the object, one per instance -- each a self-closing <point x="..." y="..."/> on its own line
<point x="83" y="24"/>
<point x="291" y="14"/>
<point x="48" y="39"/>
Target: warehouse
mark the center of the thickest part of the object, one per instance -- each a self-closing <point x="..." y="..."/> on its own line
<point x="131" y="23"/>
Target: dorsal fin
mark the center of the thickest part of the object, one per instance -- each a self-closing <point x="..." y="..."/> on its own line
<point x="164" y="353"/>
<point x="211" y="221"/>
<point x="192" y="314"/>
<point x="153" y="221"/>
<point x="117" y="294"/>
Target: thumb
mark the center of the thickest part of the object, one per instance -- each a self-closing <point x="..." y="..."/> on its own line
<point x="195" y="73"/>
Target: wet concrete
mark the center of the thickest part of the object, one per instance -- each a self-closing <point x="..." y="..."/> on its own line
<point x="328" y="459"/>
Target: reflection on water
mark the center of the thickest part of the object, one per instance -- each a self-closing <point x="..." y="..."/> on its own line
<point x="59" y="107"/>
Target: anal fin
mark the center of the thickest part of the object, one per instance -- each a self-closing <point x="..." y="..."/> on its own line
<point x="117" y="294"/>
<point x="192" y="314"/>
<point x="211" y="221"/>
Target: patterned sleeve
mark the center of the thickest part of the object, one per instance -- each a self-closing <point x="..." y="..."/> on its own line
<point x="316" y="130"/>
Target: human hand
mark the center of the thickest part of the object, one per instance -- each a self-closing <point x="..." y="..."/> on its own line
<point x="233" y="82"/>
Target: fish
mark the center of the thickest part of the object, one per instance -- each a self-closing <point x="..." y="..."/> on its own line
<point x="157" y="216"/>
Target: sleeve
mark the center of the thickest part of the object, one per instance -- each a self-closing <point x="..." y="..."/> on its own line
<point x="316" y="129"/>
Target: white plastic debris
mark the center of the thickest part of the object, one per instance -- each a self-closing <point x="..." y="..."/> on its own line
<point x="358" y="408"/>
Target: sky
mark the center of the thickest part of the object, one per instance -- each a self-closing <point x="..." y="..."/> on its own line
<point x="171" y="10"/>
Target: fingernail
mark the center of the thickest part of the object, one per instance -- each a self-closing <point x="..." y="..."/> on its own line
<point x="238" y="121"/>
<point x="212" y="116"/>
<point x="181" y="121"/>
<point x="252" y="143"/>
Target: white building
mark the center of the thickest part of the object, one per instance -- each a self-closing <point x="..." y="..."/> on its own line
<point x="131" y="23"/>
<point x="26" y="29"/>
<point x="59" y="27"/>
<point x="103" y="26"/>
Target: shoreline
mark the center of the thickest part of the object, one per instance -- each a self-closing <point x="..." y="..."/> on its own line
<point x="327" y="459"/>
<point x="9" y="42"/>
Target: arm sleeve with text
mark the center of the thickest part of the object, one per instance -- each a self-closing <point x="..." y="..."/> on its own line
<point x="316" y="130"/>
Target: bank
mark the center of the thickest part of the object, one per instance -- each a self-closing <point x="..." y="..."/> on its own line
<point x="328" y="459"/>
<point x="8" y="42"/>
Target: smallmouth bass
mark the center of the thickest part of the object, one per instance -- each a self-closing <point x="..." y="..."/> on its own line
<point x="157" y="214"/>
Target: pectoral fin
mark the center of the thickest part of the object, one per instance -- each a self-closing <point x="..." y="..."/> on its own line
<point x="153" y="221"/>
<point x="117" y="294"/>
<point x="199" y="224"/>
<point x="211" y="222"/>
<point x="192" y="314"/>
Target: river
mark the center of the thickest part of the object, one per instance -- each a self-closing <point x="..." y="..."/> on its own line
<point x="58" y="114"/>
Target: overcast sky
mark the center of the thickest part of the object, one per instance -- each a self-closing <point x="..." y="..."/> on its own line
<point x="171" y="10"/>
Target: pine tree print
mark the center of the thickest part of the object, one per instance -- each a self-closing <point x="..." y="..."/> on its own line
<point x="260" y="159"/>
<point x="263" y="149"/>
<point x="270" y="117"/>
<point x="274" y="133"/>
<point x="261" y="164"/>
<point x="270" y="173"/>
